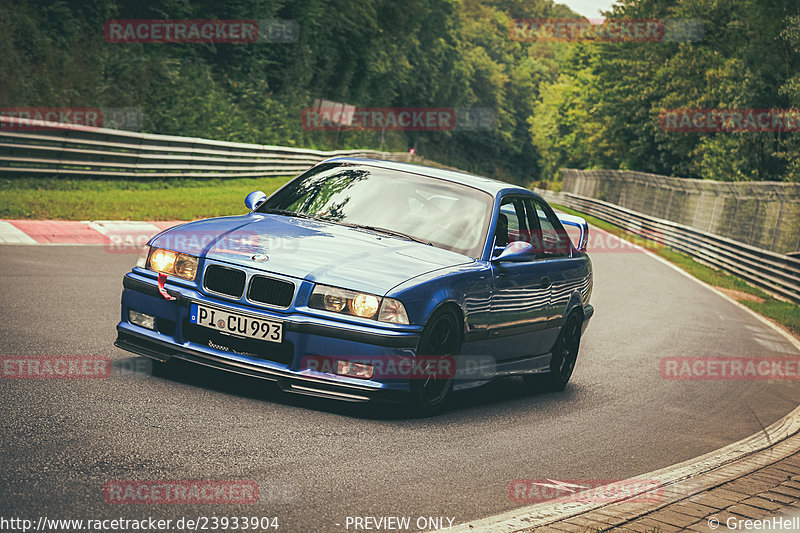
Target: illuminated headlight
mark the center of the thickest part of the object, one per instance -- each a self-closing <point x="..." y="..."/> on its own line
<point x="141" y="319"/>
<point x="173" y="263"/>
<point x="354" y="370"/>
<point x="365" y="305"/>
<point x="355" y="303"/>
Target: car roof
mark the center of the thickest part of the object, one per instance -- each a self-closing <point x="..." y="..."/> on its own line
<point x="488" y="185"/>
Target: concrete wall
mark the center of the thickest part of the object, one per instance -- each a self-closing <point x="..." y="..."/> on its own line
<point x="761" y="213"/>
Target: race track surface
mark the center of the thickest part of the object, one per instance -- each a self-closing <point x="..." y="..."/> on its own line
<point x="318" y="462"/>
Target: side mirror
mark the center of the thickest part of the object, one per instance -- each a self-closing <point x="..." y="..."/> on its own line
<point x="254" y="200"/>
<point x="581" y="224"/>
<point x="516" y="252"/>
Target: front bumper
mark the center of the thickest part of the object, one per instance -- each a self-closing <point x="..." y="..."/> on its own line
<point x="304" y="336"/>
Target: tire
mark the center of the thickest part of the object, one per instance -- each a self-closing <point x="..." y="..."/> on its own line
<point x="562" y="362"/>
<point x="441" y="337"/>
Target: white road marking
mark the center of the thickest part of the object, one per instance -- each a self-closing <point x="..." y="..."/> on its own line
<point x="10" y="234"/>
<point x="118" y="227"/>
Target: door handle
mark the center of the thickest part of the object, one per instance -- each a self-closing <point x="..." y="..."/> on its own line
<point x="545" y="282"/>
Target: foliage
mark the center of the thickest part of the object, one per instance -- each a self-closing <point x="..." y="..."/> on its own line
<point x="368" y="53"/>
<point x="556" y="104"/>
<point x="603" y="110"/>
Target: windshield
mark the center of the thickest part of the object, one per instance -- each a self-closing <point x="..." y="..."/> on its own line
<point x="445" y="214"/>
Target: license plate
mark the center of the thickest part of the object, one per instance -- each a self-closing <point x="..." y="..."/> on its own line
<point x="236" y="324"/>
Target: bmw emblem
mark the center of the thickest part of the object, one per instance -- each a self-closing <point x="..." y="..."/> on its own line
<point x="260" y="258"/>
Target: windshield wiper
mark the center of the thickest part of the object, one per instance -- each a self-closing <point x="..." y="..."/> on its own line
<point x="391" y="232"/>
<point x="288" y="213"/>
<point x="377" y="229"/>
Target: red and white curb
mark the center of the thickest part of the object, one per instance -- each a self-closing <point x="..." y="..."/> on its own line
<point x="68" y="232"/>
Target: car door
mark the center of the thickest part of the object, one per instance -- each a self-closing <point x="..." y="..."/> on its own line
<point x="520" y="290"/>
<point x="566" y="273"/>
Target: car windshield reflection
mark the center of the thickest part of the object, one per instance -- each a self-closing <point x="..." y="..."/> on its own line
<point x="422" y="209"/>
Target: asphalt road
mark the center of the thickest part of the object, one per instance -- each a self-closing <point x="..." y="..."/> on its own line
<point x="318" y="462"/>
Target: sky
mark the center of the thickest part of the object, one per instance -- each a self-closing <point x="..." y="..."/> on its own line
<point x="588" y="8"/>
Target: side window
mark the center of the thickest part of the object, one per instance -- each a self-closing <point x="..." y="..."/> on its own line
<point x="512" y="223"/>
<point x="551" y="239"/>
<point x="527" y="219"/>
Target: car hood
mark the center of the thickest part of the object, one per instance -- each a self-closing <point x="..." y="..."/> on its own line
<point x="317" y="251"/>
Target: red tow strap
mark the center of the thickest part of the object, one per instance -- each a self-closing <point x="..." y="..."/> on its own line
<point x="162" y="280"/>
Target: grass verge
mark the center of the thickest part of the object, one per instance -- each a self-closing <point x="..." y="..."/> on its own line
<point x="786" y="314"/>
<point x="189" y="199"/>
<point x="120" y="199"/>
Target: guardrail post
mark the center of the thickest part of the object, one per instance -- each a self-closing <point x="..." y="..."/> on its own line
<point x="777" y="229"/>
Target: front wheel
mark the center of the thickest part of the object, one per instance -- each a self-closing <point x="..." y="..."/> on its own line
<point x="440" y="338"/>
<point x="562" y="362"/>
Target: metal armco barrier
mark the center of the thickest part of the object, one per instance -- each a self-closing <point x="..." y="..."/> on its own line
<point x="774" y="273"/>
<point x="764" y="214"/>
<point x="42" y="148"/>
<point x="35" y="147"/>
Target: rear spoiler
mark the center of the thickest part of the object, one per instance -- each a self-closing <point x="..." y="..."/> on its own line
<point x="581" y="224"/>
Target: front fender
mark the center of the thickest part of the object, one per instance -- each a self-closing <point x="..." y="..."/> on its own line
<point x="424" y="295"/>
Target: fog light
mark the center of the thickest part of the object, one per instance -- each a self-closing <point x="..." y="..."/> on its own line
<point x="354" y="370"/>
<point x="141" y="319"/>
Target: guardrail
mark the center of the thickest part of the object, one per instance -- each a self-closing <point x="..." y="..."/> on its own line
<point x="42" y="148"/>
<point x="763" y="214"/>
<point x="775" y="273"/>
<point x="35" y="147"/>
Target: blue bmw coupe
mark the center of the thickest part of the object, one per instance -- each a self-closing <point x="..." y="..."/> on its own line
<point x="363" y="279"/>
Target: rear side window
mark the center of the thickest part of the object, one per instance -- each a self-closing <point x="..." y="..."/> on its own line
<point x="551" y="239"/>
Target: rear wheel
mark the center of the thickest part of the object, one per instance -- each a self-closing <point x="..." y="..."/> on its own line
<point x="440" y="338"/>
<point x="564" y="355"/>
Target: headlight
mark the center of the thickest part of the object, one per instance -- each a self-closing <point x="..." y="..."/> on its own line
<point x="355" y="303"/>
<point x="173" y="263"/>
<point x="185" y="266"/>
<point x="334" y="300"/>
<point x="365" y="305"/>
<point x="393" y="311"/>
